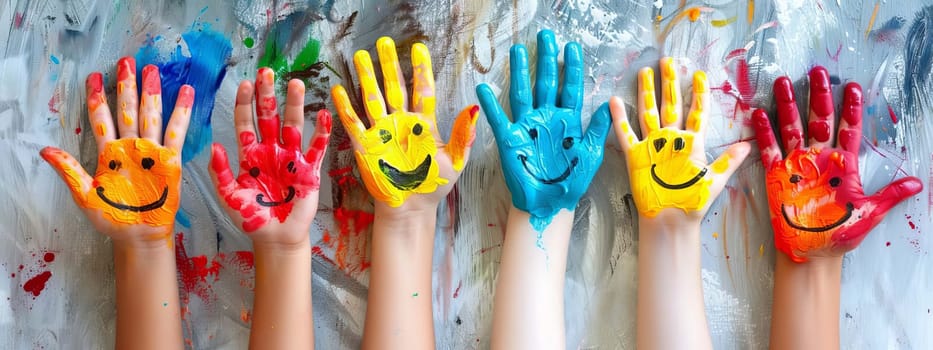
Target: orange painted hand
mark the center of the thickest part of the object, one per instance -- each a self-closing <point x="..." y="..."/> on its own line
<point x="668" y="168"/>
<point x="815" y="195"/>
<point x="274" y="198"/>
<point x="401" y="154"/>
<point x="135" y="192"/>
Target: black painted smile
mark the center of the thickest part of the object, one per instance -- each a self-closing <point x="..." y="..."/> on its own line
<point x="154" y="205"/>
<point x="679" y="186"/>
<point x="551" y="181"/>
<point x="842" y="220"/>
<point x="288" y="198"/>
<point x="406" y="180"/>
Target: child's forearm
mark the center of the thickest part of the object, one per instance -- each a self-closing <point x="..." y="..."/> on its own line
<point x="528" y="311"/>
<point x="671" y="313"/>
<point x="398" y="315"/>
<point x="805" y="313"/>
<point x="148" y="310"/>
<point x="282" y="313"/>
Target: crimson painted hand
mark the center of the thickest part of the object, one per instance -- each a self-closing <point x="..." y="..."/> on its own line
<point x="815" y="196"/>
<point x="275" y="196"/>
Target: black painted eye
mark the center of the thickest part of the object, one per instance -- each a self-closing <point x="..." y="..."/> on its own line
<point x="291" y="167"/>
<point x="417" y="129"/>
<point x="679" y="143"/>
<point x="148" y="163"/>
<point x="254" y="172"/>
<point x="385" y="135"/>
<point x="795" y="178"/>
<point x="114" y="165"/>
<point x="568" y="142"/>
<point x="835" y="181"/>
<point x="659" y="144"/>
<point x="533" y="133"/>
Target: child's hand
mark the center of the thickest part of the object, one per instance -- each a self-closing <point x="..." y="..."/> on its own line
<point x="398" y="155"/>
<point x="274" y="198"/>
<point x="135" y="193"/>
<point x="815" y="196"/>
<point x="668" y="169"/>
<point x="548" y="160"/>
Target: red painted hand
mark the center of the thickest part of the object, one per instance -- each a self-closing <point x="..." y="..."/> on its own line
<point x="276" y="193"/>
<point x="815" y="196"/>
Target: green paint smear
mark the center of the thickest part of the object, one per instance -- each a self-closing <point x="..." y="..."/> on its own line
<point x="274" y="57"/>
<point x="248" y="42"/>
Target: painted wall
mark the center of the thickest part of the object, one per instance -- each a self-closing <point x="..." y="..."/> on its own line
<point x="56" y="274"/>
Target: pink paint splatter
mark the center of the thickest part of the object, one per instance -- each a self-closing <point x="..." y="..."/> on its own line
<point x="891" y="113"/>
<point x="36" y="284"/>
<point x="457" y="291"/>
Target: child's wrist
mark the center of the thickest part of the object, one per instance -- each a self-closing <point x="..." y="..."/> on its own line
<point x="300" y="246"/>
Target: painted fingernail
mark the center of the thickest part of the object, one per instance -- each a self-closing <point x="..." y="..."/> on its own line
<point x="474" y="111"/>
<point x="151" y="82"/>
<point x="185" y="96"/>
<point x="783" y="90"/>
<point x="95" y="90"/>
<point x="324" y="120"/>
<point x="126" y="68"/>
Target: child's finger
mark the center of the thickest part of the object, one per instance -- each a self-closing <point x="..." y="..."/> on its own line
<point x="767" y="144"/>
<point x="850" y="123"/>
<point x="623" y="128"/>
<point x="423" y="95"/>
<point x="267" y="108"/>
<point x="495" y="116"/>
<point x="150" y="105"/>
<point x="243" y="115"/>
<point x="788" y="116"/>
<point x="520" y="89"/>
<point x="318" y="144"/>
<point x="127" y="98"/>
<point x="68" y="168"/>
<point x="97" y="110"/>
<point x="462" y="137"/>
<point x="294" y="114"/>
<point x="351" y="122"/>
<point x="373" y="102"/>
<point x="647" y="104"/>
<point x="671" y="103"/>
<point x="571" y="96"/>
<point x="822" y="115"/>
<point x="696" y="120"/>
<point x="724" y="166"/>
<point x="393" y="80"/>
<point x="546" y="81"/>
<point x="178" y="124"/>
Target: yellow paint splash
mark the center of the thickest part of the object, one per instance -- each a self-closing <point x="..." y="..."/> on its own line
<point x="719" y="23"/>
<point x="101" y="129"/>
<point x="871" y="22"/>
<point x="751" y="11"/>
<point x="715" y="235"/>
<point x="722" y="164"/>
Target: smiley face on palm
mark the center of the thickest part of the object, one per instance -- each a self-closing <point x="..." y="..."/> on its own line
<point x="547" y="159"/>
<point x="276" y="177"/>
<point x="815" y="196"/>
<point x="400" y="154"/>
<point x="668" y="169"/>
<point x="136" y="189"/>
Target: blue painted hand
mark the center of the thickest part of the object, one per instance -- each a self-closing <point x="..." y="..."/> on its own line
<point x="547" y="159"/>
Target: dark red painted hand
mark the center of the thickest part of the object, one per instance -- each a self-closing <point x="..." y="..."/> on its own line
<point x="815" y="195"/>
<point x="276" y="193"/>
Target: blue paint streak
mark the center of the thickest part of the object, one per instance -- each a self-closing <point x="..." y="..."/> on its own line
<point x="547" y="158"/>
<point x="918" y="60"/>
<point x="183" y="219"/>
<point x="204" y="70"/>
<point x="54" y="59"/>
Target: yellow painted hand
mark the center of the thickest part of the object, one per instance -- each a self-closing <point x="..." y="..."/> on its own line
<point x="398" y="155"/>
<point x="668" y="169"/>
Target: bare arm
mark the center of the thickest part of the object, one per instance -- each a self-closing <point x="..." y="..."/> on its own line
<point x="398" y="313"/>
<point x="528" y="310"/>
<point x="148" y="310"/>
<point x="805" y="313"/>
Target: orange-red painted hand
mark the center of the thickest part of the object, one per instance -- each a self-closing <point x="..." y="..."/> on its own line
<point x="274" y="198"/>
<point x="135" y="192"/>
<point x="402" y="154"/>
<point x="815" y="195"/>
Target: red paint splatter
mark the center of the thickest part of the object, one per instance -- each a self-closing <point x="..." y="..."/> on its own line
<point x="887" y="244"/>
<point x="49" y="257"/>
<point x="54" y="102"/>
<point x="78" y="130"/>
<point x="457" y="291"/>
<point x="36" y="284"/>
<point x="912" y="226"/>
<point x="18" y="20"/>
<point x="891" y="113"/>
<point x="195" y="274"/>
<point x="350" y="246"/>
<point x="835" y="57"/>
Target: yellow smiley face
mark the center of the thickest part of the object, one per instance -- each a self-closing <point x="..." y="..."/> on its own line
<point x="398" y="158"/>
<point x="663" y="175"/>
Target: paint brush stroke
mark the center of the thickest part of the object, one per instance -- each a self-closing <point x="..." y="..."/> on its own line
<point x="204" y="69"/>
<point x="918" y="56"/>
